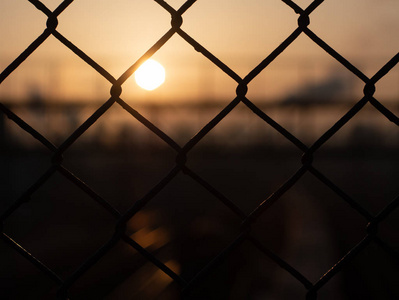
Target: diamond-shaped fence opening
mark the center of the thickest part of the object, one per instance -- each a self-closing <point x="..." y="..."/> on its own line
<point x="234" y="198"/>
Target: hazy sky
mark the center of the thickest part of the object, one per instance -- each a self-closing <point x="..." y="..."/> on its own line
<point x="241" y="33"/>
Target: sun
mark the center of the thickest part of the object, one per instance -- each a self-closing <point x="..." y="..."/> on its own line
<point x="150" y="75"/>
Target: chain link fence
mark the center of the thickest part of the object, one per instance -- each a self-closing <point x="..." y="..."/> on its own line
<point x="186" y="286"/>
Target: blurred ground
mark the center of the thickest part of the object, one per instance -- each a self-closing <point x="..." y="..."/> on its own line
<point x="185" y="226"/>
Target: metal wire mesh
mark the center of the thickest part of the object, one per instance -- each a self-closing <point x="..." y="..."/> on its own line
<point x="182" y="154"/>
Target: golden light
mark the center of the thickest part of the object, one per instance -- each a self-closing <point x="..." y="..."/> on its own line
<point x="150" y="75"/>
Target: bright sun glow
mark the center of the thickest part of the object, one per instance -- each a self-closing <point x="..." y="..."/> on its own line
<point x="150" y="75"/>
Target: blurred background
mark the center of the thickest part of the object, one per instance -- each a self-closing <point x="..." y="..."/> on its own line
<point x="304" y="89"/>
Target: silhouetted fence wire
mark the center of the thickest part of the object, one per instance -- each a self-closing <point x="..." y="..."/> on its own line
<point x="183" y="152"/>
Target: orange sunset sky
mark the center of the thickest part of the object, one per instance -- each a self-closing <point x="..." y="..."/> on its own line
<point x="240" y="33"/>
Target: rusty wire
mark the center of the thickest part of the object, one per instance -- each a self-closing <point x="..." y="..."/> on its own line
<point x="182" y="152"/>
